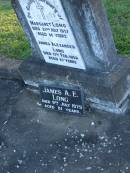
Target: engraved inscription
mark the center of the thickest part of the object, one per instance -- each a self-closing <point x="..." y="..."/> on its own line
<point x="52" y="32"/>
<point x="62" y="99"/>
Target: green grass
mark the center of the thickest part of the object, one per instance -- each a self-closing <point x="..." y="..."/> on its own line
<point x="14" y="44"/>
<point x="119" y="17"/>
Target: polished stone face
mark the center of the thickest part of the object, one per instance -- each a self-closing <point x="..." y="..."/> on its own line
<point x="69" y="99"/>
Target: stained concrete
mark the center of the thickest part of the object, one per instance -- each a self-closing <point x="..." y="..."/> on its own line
<point x="33" y="140"/>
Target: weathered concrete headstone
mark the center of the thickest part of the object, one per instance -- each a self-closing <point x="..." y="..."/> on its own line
<point x="74" y="62"/>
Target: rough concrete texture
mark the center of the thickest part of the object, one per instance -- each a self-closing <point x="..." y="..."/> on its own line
<point x="9" y="68"/>
<point x="33" y="140"/>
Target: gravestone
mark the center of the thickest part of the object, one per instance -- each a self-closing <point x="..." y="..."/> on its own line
<point x="74" y="64"/>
